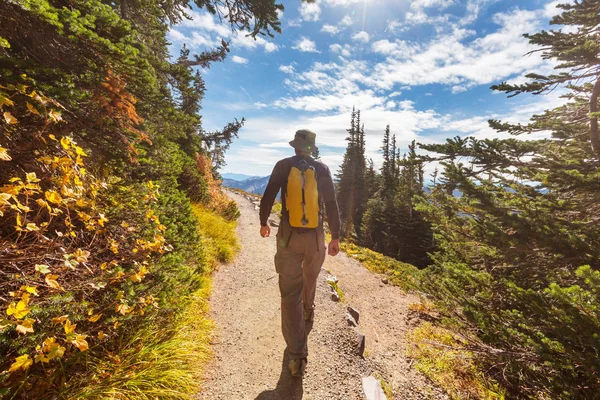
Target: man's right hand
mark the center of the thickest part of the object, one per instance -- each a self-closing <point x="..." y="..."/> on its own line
<point x="265" y="231"/>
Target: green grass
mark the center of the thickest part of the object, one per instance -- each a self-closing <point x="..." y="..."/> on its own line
<point x="338" y="290"/>
<point x="156" y="362"/>
<point x="387" y="388"/>
<point x="218" y="235"/>
<point x="398" y="273"/>
<point x="443" y="357"/>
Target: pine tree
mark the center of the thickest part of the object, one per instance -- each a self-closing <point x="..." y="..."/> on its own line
<point x="520" y="247"/>
<point x="345" y="190"/>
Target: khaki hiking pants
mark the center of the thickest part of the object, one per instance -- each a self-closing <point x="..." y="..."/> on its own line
<point x="298" y="265"/>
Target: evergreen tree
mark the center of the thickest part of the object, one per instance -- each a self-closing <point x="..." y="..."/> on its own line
<point x="345" y="190"/>
<point x="520" y="248"/>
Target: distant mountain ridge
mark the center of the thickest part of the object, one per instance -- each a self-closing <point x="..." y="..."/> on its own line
<point x="256" y="185"/>
<point x="238" y="177"/>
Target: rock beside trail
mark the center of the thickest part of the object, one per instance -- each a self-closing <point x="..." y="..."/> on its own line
<point x="351" y="320"/>
<point x="361" y="345"/>
<point x="334" y="296"/>
<point x="354" y="312"/>
<point x="372" y="388"/>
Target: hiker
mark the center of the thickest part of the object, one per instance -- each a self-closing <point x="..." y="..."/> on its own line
<point x="306" y="191"/>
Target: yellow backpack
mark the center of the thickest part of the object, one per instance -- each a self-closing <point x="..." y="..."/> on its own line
<point x="302" y="196"/>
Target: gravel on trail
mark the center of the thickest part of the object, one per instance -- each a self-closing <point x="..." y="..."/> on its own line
<point x="249" y="359"/>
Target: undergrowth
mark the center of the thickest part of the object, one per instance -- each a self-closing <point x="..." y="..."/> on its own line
<point x="440" y="352"/>
<point x="443" y="357"/>
<point x="158" y="361"/>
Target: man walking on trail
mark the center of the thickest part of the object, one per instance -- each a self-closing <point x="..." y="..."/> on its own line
<point x="306" y="190"/>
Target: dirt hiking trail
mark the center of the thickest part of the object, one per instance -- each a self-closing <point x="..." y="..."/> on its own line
<point x="249" y="348"/>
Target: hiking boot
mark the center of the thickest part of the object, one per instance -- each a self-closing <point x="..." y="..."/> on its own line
<point x="297" y="367"/>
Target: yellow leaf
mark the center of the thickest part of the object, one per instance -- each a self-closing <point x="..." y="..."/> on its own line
<point x="23" y="362"/>
<point x="4" y="197"/>
<point x="101" y="335"/>
<point x="79" y="151"/>
<point x="8" y="117"/>
<point x="81" y="256"/>
<point x="19" y="310"/>
<point x="80" y="342"/>
<point x="65" y="143"/>
<point x="52" y="348"/>
<point x="19" y="222"/>
<point x="25" y="326"/>
<point x="30" y="289"/>
<point x="42" y="268"/>
<point x="52" y="282"/>
<point x="31" y="177"/>
<point x="53" y="196"/>
<point x="116" y="324"/>
<point x="32" y="109"/>
<point x="94" y="317"/>
<point x="123" y="309"/>
<point x="41" y="357"/>
<point x="4" y="156"/>
<point x="69" y="328"/>
<point x="59" y="320"/>
<point x="56" y="117"/>
<point x="32" y="227"/>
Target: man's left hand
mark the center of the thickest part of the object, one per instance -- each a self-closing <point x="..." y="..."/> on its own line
<point x="334" y="247"/>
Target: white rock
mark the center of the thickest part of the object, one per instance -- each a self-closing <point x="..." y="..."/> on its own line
<point x="372" y="389"/>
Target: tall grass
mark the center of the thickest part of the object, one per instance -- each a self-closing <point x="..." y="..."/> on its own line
<point x="218" y="235"/>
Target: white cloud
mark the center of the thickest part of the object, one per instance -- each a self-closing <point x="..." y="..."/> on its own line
<point x="394" y="26"/>
<point x="206" y="22"/>
<point x="346" y="3"/>
<point x="386" y="47"/>
<point x="206" y="31"/>
<point x="306" y="45"/>
<point x="439" y="4"/>
<point x="288" y="69"/>
<point x="239" y="60"/>
<point x="551" y="10"/>
<point x="450" y="61"/>
<point x="361" y="36"/>
<point x="242" y="39"/>
<point x="330" y="29"/>
<point x="310" y="11"/>
<point x="339" y="49"/>
<point x="271" y="47"/>
<point x="346" y="21"/>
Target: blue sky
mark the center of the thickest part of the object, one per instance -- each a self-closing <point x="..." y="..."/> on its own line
<point x="422" y="66"/>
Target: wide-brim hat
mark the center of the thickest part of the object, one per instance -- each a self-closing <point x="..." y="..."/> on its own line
<point x="305" y="141"/>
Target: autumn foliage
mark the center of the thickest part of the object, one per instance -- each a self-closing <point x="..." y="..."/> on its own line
<point x="59" y="247"/>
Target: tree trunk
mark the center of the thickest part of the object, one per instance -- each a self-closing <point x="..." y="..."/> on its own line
<point x="124" y="9"/>
<point x="594" y="136"/>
